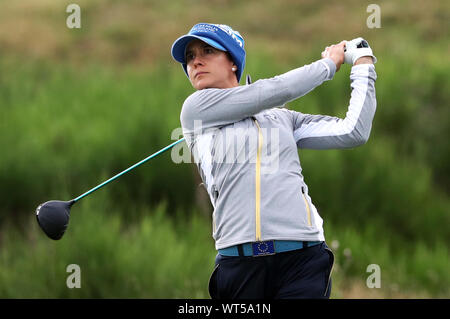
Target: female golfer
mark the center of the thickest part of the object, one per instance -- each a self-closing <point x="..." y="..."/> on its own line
<point x="267" y="231"/>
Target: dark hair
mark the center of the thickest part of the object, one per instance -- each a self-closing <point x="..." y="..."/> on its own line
<point x="230" y="57"/>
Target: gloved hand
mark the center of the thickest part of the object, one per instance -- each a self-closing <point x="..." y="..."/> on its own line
<point x="357" y="48"/>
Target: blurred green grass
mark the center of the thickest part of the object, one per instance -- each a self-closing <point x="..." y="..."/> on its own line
<point x="159" y="257"/>
<point x="68" y="122"/>
<point x="66" y="129"/>
<point x="166" y="257"/>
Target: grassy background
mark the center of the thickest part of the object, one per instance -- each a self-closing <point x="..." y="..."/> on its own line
<point x="78" y="106"/>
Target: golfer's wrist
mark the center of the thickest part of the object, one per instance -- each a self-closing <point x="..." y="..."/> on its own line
<point x="364" y="60"/>
<point x="330" y="66"/>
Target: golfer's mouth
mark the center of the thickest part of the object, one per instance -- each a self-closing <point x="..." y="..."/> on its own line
<point x="200" y="73"/>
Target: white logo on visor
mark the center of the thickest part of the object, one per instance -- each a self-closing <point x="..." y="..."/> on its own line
<point x="234" y="34"/>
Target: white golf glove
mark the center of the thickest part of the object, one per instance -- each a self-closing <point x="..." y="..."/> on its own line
<point x="357" y="48"/>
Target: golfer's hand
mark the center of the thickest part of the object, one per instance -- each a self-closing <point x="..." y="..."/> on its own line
<point x="336" y="53"/>
<point x="358" y="51"/>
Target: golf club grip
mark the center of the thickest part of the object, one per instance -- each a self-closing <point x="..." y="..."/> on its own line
<point x="127" y="170"/>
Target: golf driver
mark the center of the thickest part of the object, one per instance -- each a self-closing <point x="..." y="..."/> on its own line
<point x="53" y="216"/>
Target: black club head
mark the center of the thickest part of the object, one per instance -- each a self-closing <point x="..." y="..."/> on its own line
<point x="53" y="217"/>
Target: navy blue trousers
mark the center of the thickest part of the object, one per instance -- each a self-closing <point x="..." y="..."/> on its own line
<point x="302" y="273"/>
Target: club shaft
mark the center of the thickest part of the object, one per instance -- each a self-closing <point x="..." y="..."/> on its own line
<point x="128" y="169"/>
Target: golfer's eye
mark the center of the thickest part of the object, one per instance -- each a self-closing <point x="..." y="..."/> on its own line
<point x="189" y="56"/>
<point x="208" y="50"/>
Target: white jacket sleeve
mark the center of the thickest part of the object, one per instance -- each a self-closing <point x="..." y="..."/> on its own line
<point x="327" y="132"/>
<point x="217" y="107"/>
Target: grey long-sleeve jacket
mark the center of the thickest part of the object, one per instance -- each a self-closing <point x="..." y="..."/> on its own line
<point x="245" y="147"/>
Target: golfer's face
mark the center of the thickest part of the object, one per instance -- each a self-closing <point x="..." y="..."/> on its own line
<point x="208" y="67"/>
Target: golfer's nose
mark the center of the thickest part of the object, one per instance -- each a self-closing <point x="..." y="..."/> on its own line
<point x="197" y="60"/>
